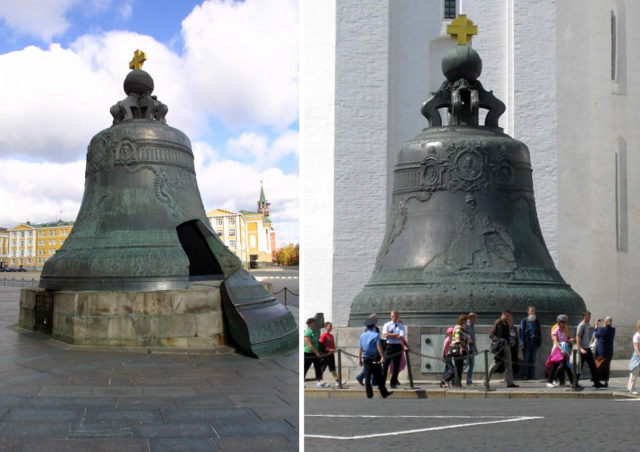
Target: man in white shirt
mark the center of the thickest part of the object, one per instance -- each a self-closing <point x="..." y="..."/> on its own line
<point x="394" y="332"/>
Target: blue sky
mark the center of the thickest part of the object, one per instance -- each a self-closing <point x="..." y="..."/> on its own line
<point x="227" y="70"/>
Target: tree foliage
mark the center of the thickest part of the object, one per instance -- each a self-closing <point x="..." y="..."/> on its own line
<point x="288" y="255"/>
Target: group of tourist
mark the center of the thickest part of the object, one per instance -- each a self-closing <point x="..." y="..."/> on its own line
<point x="319" y="352"/>
<point x="381" y="351"/>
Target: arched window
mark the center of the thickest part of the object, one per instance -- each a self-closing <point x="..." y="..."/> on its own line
<point x="622" y="221"/>
<point x="449" y="10"/>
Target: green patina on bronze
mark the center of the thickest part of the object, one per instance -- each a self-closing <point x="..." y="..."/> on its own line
<point x="463" y="234"/>
<point x="142" y="225"/>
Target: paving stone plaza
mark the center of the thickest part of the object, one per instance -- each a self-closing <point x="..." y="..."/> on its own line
<point x="55" y="396"/>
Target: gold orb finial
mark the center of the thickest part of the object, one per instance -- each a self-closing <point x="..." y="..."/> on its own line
<point x="462" y="29"/>
<point x="139" y="57"/>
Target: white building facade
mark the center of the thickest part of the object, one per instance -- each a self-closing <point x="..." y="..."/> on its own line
<point x="366" y="68"/>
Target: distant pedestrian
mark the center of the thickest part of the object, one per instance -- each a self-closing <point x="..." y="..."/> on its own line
<point x="370" y="356"/>
<point x="514" y="343"/>
<point x="328" y="342"/>
<point x="586" y="356"/>
<point x="558" y="360"/>
<point x="634" y="363"/>
<point x="530" y="341"/>
<point x="604" y="348"/>
<point x="470" y="329"/>
<point x="312" y="352"/>
<point x="447" y="375"/>
<point x="458" y="349"/>
<point x="360" y="376"/>
<point x="499" y="335"/>
<point x="394" y="332"/>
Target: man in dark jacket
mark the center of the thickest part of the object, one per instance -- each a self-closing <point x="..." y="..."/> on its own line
<point x="499" y="335"/>
<point x="530" y="341"/>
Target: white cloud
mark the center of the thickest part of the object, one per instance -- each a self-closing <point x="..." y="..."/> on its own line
<point x="257" y="149"/>
<point x="37" y="192"/>
<point x="125" y="9"/>
<point x="41" y="18"/>
<point x="234" y="185"/>
<point x="243" y="60"/>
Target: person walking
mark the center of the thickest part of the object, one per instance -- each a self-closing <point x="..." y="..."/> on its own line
<point x="394" y="332"/>
<point x="312" y="352"/>
<point x="370" y="355"/>
<point x="329" y="360"/>
<point x="447" y="375"/>
<point x="530" y="341"/>
<point x="634" y="363"/>
<point x="499" y="335"/>
<point x="458" y="349"/>
<point x="360" y="376"/>
<point x="586" y="356"/>
<point x="470" y="330"/>
<point x="604" y="348"/>
<point x="558" y="360"/>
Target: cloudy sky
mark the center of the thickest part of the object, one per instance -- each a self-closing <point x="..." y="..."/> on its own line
<point x="227" y="70"/>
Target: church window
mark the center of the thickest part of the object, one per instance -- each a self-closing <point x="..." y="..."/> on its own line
<point x="614" y="46"/>
<point x="219" y="221"/>
<point x="622" y="220"/>
<point x="219" y="232"/>
<point x="232" y="220"/>
<point x="232" y="243"/>
<point x="232" y="232"/>
<point x="449" y="9"/>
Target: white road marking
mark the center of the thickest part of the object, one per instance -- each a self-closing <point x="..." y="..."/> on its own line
<point x="262" y="278"/>
<point x="420" y="430"/>
<point x="629" y="400"/>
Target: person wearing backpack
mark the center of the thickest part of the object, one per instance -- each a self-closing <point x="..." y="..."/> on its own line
<point x="530" y="341"/>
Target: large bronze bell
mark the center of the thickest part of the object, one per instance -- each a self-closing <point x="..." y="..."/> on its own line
<point x="463" y="234"/>
<point x="142" y="225"/>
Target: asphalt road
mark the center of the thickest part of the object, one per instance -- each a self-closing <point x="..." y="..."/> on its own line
<point x="461" y="425"/>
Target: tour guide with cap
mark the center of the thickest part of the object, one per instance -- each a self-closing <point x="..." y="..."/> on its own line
<point x="370" y="355"/>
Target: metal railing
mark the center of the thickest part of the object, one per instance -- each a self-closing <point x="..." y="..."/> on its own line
<point x="20" y="282"/>
<point x="286" y="290"/>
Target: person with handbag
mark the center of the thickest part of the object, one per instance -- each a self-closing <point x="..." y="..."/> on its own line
<point x="458" y="349"/>
<point x="499" y="335"/>
<point x="586" y="355"/>
<point x="604" y="349"/>
<point x="558" y="360"/>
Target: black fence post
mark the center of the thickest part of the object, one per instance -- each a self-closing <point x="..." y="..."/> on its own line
<point x="486" y="369"/>
<point x="406" y="353"/>
<point x="339" y="368"/>
<point x="285" y="297"/>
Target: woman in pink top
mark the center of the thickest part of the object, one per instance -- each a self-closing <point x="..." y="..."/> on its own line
<point x="558" y="361"/>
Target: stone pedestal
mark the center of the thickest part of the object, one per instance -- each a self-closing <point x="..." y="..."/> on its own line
<point x="174" y="318"/>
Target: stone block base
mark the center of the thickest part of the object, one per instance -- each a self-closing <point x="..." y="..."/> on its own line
<point x="174" y="318"/>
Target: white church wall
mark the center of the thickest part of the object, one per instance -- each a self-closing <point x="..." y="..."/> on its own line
<point x="361" y="139"/>
<point x="598" y="119"/>
<point x="317" y="100"/>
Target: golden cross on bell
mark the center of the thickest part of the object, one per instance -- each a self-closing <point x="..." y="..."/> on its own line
<point x="139" y="57"/>
<point x="462" y="29"/>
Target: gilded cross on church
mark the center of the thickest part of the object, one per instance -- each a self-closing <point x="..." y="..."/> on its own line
<point x="139" y="57"/>
<point x="462" y="29"/>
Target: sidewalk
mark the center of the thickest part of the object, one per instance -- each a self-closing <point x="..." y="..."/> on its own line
<point x="55" y="396"/>
<point x="431" y="389"/>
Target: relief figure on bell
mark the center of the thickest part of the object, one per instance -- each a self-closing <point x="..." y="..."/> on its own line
<point x="479" y="242"/>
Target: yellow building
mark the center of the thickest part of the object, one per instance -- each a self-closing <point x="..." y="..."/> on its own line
<point x="4" y="247"/>
<point x="50" y="238"/>
<point x="231" y="227"/>
<point x="22" y="245"/>
<point x="250" y="235"/>
<point x="31" y="245"/>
